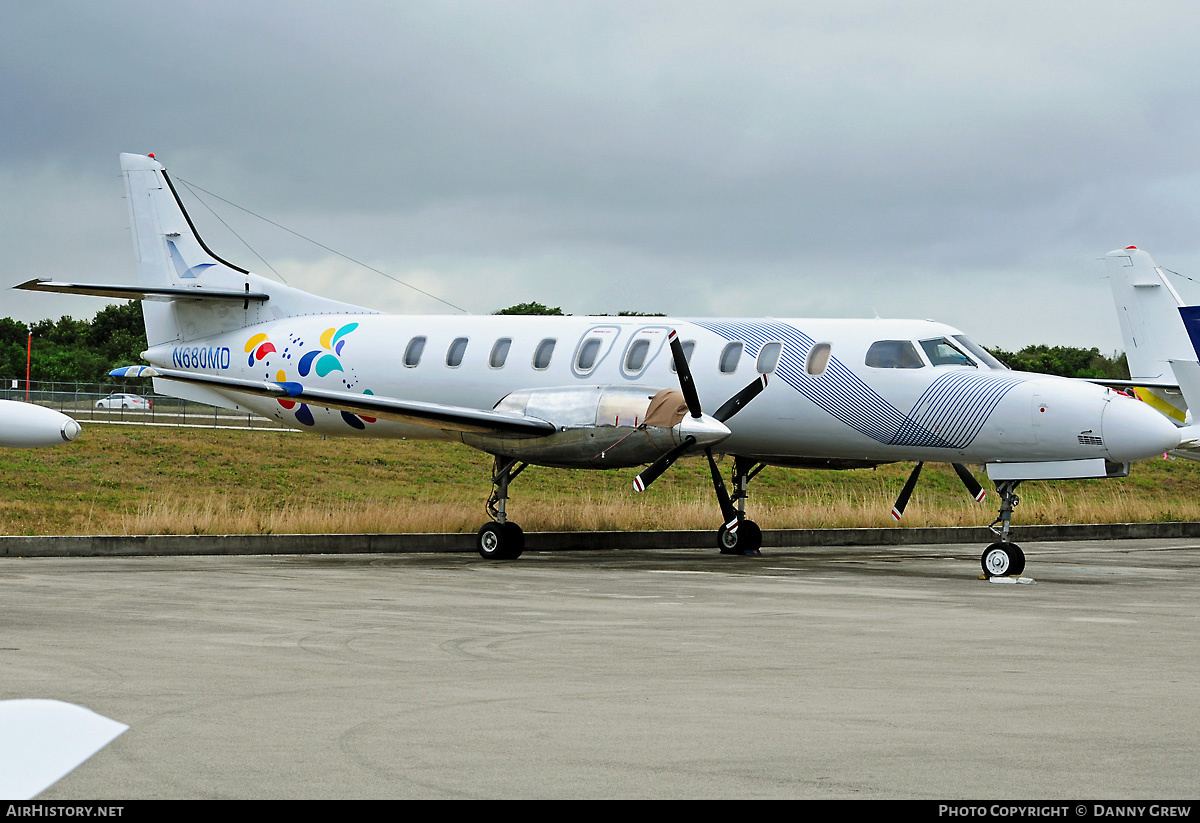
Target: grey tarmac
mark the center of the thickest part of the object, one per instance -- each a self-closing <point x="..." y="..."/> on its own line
<point x="820" y="672"/>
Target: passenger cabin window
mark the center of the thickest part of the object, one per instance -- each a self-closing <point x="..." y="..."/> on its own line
<point x="412" y="354"/>
<point x="689" y="346"/>
<point x="587" y="354"/>
<point x="545" y="350"/>
<point x="894" y="354"/>
<point x="454" y="354"/>
<point x="941" y="352"/>
<point x="730" y="357"/>
<point x="818" y="359"/>
<point x="500" y="353"/>
<point x="635" y="358"/>
<point x="768" y="358"/>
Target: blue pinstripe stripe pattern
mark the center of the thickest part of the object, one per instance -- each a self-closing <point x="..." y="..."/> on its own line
<point x="949" y="414"/>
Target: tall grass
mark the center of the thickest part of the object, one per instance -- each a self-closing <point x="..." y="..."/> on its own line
<point x="128" y="480"/>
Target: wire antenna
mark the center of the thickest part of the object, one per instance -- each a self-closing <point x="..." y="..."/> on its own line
<point x="192" y="187"/>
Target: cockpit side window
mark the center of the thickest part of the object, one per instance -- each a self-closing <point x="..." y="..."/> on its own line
<point x="894" y="354"/>
<point x="941" y="352"/>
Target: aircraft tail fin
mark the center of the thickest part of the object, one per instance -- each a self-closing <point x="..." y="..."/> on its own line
<point x="1148" y="311"/>
<point x="171" y="255"/>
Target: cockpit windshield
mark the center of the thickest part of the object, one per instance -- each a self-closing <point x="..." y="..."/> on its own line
<point x="942" y="352"/>
<point x="980" y="353"/>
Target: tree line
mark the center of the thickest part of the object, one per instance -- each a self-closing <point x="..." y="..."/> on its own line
<point x="84" y="351"/>
<point x="74" y="351"/>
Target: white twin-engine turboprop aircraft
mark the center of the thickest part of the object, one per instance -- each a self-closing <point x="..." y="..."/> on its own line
<point x="602" y="392"/>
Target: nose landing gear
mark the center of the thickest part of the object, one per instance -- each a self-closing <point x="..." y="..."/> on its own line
<point x="1004" y="558"/>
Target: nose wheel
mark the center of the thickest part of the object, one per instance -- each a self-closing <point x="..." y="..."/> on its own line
<point x="1004" y="558"/>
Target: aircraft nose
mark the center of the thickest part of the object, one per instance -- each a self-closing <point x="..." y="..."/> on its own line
<point x="1134" y="431"/>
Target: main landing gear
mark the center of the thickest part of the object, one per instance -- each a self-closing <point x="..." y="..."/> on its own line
<point x="501" y="539"/>
<point x="1004" y="558"/>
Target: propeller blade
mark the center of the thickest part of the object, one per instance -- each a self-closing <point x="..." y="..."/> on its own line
<point x="906" y="492"/>
<point x="727" y="509"/>
<point x="968" y="479"/>
<point x="655" y="469"/>
<point x="684" y="371"/>
<point x="735" y="404"/>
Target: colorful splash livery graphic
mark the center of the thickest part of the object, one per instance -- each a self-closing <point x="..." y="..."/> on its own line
<point x="320" y="362"/>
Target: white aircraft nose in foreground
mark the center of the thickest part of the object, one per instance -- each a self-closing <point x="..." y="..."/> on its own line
<point x="603" y="392"/>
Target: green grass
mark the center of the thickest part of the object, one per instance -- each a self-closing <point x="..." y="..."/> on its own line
<point x="145" y="480"/>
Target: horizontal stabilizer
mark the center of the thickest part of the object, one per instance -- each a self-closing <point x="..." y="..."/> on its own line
<point x="159" y="293"/>
<point x="430" y="415"/>
<point x="1131" y="384"/>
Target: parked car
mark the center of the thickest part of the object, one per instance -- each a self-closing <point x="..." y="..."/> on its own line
<point x="124" y="401"/>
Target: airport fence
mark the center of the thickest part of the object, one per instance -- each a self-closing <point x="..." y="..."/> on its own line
<point x="101" y="403"/>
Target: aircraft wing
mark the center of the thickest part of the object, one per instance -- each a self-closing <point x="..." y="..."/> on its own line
<point x="140" y="292"/>
<point x="430" y="415"/>
<point x="1148" y="383"/>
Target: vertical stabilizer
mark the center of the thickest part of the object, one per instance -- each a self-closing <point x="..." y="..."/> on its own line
<point x="170" y="254"/>
<point x="1148" y="311"/>
<point x="168" y="251"/>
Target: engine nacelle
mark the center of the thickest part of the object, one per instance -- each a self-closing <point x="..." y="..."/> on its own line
<point x="599" y="427"/>
<point x="28" y="426"/>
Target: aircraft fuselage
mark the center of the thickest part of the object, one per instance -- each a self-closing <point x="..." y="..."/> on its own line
<point x="844" y="411"/>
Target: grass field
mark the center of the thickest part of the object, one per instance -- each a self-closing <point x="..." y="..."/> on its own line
<point x="160" y="480"/>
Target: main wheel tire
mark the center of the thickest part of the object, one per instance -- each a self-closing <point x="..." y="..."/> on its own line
<point x="514" y="538"/>
<point x="747" y="540"/>
<point x="500" y="541"/>
<point x="1002" y="560"/>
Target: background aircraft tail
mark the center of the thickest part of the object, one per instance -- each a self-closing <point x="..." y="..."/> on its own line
<point x="1148" y="311"/>
<point x="171" y="255"/>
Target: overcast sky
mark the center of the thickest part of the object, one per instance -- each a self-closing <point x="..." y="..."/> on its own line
<point x="950" y="160"/>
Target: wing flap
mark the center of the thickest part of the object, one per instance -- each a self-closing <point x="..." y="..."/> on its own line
<point x="430" y="415"/>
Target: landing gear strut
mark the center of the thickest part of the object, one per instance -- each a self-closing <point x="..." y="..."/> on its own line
<point x="1004" y="558"/>
<point x="737" y="535"/>
<point x="501" y="539"/>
